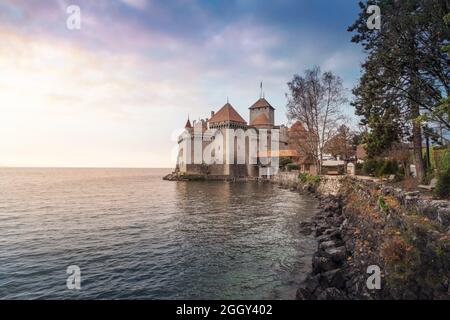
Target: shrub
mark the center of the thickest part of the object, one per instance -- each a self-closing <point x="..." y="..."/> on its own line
<point x="382" y="204"/>
<point x="444" y="160"/>
<point x="284" y="161"/>
<point x="370" y="166"/>
<point x="302" y="177"/>
<point x="442" y="190"/>
<point x="307" y="177"/>
<point x="359" y="168"/>
<point x="380" y="167"/>
<point x="292" y="166"/>
<point x="387" y="167"/>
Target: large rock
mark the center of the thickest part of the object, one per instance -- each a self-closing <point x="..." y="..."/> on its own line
<point x="430" y="208"/>
<point x="333" y="278"/>
<point x="320" y="230"/>
<point x="322" y="264"/>
<point x="332" y="294"/>
<point x="338" y="254"/>
<point x="330" y="234"/>
<point x="303" y="294"/>
<point x="443" y="216"/>
<point x="327" y="244"/>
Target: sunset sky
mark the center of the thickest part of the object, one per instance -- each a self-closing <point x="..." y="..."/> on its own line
<point x="116" y="92"/>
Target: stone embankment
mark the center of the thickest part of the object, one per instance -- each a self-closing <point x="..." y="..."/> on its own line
<point x="203" y="177"/>
<point x="362" y="225"/>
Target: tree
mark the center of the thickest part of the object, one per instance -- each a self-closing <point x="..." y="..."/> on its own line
<point x="400" y="153"/>
<point x="315" y="100"/>
<point x="342" y="144"/>
<point x="379" y="113"/>
<point x="406" y="74"/>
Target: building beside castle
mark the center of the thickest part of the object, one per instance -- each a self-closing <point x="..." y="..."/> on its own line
<point x="250" y="149"/>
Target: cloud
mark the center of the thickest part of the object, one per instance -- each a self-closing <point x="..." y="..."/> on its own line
<point x="343" y="60"/>
<point x="138" y="4"/>
<point x="59" y="99"/>
<point x="129" y="77"/>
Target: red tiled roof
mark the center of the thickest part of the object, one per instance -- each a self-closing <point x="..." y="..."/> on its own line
<point x="297" y="127"/>
<point x="227" y="113"/>
<point x="188" y="124"/>
<point x="261" y="103"/>
<point x="361" y="152"/>
<point x="261" y="119"/>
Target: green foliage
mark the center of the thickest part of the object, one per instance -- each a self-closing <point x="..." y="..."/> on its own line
<point x="359" y="168"/>
<point x="404" y="84"/>
<point x="284" y="161"/>
<point x="307" y="177"/>
<point x="387" y="167"/>
<point x="292" y="166"/>
<point x="382" y="204"/>
<point x="371" y="166"/>
<point x="386" y="128"/>
<point x="444" y="161"/>
<point x="442" y="190"/>
<point x="380" y="167"/>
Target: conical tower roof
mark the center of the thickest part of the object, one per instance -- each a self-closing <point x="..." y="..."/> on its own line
<point x="227" y="113"/>
<point x="188" y="124"/>
<point x="261" y="103"/>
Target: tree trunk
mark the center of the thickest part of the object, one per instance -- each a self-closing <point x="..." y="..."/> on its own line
<point x="417" y="143"/>
<point x="406" y="168"/>
<point x="415" y="113"/>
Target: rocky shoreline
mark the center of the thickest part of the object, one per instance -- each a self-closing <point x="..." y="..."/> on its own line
<point x="361" y="225"/>
<point x="332" y="276"/>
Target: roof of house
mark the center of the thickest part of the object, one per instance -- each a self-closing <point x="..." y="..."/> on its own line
<point x="261" y="103"/>
<point x="188" y="124"/>
<point x="227" y="113"/>
<point x="297" y="126"/>
<point x="361" y="152"/>
<point x="261" y="119"/>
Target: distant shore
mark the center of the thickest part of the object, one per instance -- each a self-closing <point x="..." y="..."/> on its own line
<point x="200" y="177"/>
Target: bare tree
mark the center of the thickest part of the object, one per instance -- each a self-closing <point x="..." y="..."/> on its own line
<point x="342" y="144"/>
<point x="315" y="100"/>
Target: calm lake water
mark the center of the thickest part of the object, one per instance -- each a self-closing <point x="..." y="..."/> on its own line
<point x="135" y="236"/>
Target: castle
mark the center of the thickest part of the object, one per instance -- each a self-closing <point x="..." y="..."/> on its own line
<point x="226" y="146"/>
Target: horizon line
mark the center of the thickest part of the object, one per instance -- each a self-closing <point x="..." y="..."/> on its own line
<point x="81" y="167"/>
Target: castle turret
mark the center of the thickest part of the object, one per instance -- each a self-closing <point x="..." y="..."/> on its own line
<point x="262" y="113"/>
<point x="188" y="124"/>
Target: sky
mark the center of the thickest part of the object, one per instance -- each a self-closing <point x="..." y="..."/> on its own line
<point x="117" y="91"/>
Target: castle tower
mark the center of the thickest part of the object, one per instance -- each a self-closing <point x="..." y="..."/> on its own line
<point x="262" y="114"/>
<point x="188" y="124"/>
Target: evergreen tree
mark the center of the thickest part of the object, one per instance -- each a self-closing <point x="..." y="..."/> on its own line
<point x="406" y="74"/>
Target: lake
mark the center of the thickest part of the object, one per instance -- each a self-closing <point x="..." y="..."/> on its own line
<point x="135" y="236"/>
